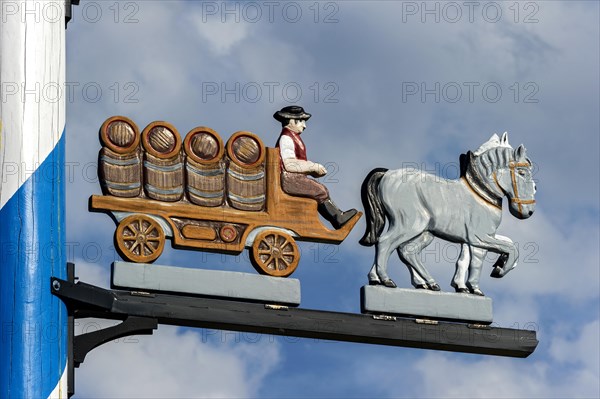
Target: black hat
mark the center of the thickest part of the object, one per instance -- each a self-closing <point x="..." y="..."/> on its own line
<point x="291" y="112"/>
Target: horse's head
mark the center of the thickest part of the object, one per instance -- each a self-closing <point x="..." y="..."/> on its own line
<point x="497" y="170"/>
<point x="516" y="181"/>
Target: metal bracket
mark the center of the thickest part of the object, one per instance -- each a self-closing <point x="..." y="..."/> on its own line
<point x="93" y="303"/>
<point x="132" y="325"/>
<point x="69" y="10"/>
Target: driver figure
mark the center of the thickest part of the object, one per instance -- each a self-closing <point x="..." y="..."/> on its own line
<point x="295" y="167"/>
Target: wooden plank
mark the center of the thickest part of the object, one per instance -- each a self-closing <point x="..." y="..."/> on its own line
<point x="438" y="305"/>
<point x="208" y="283"/>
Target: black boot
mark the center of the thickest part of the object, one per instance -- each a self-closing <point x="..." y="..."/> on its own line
<point x="334" y="215"/>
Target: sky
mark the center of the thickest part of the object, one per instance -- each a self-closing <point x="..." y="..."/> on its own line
<point x="389" y="84"/>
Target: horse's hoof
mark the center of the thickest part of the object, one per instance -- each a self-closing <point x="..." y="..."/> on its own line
<point x="501" y="261"/>
<point x="496" y="273"/>
<point x="434" y="287"/>
<point x="477" y="291"/>
<point x="389" y="283"/>
<point x="421" y="286"/>
<point x="462" y="290"/>
<point x="374" y="282"/>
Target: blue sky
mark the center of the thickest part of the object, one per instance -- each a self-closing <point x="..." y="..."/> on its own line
<point x="389" y="84"/>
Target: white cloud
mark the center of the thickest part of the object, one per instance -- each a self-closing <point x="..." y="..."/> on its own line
<point x="222" y="38"/>
<point x="583" y="351"/>
<point x="175" y="363"/>
<point x="553" y="260"/>
<point x="572" y="371"/>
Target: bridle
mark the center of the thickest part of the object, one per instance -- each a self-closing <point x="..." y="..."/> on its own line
<point x="520" y="202"/>
<point x="478" y="185"/>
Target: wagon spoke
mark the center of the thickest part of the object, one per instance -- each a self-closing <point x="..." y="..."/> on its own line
<point x="150" y="229"/>
<point x="268" y="262"/>
<point x="285" y="242"/>
<point x="150" y="248"/>
<point x="264" y="252"/>
<point x="140" y="227"/>
<point x="276" y="263"/>
<point x="134" y="246"/>
<point x="153" y="239"/>
<point x="287" y="264"/>
<point x="129" y="238"/>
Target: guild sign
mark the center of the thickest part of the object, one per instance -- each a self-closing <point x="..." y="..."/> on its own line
<point x="205" y="194"/>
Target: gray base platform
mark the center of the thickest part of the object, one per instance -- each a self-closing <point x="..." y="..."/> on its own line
<point x="426" y="304"/>
<point x="211" y="283"/>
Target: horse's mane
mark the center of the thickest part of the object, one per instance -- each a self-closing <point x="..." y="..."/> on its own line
<point x="494" y="154"/>
<point x="493" y="142"/>
<point x="496" y="158"/>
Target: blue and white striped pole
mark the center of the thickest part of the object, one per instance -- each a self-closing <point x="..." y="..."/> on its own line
<point x="33" y="322"/>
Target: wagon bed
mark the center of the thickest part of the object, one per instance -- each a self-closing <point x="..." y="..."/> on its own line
<point x="144" y="225"/>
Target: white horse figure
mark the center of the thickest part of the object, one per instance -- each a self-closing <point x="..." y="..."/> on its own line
<point x="420" y="206"/>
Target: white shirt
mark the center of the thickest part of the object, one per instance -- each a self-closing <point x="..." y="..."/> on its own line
<point x="287" y="150"/>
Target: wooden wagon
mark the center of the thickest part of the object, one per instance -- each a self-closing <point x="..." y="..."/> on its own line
<point x="144" y="224"/>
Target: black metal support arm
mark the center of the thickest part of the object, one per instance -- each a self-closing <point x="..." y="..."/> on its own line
<point x="143" y="311"/>
<point x="132" y="325"/>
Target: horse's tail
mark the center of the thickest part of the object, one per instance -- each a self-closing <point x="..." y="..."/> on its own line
<point x="374" y="211"/>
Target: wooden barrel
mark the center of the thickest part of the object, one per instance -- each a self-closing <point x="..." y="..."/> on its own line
<point x="246" y="183"/>
<point x="120" y="160"/>
<point x="204" y="167"/>
<point x="163" y="162"/>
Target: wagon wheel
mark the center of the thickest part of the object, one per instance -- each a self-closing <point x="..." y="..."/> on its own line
<point x="275" y="253"/>
<point x="140" y="239"/>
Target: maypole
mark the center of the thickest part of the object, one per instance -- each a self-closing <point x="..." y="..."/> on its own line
<point x="33" y="344"/>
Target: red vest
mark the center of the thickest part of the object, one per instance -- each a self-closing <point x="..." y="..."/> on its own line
<point x="299" y="147"/>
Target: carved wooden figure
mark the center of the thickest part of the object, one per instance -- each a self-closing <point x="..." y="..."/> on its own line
<point x="203" y="195"/>
<point x="419" y="206"/>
